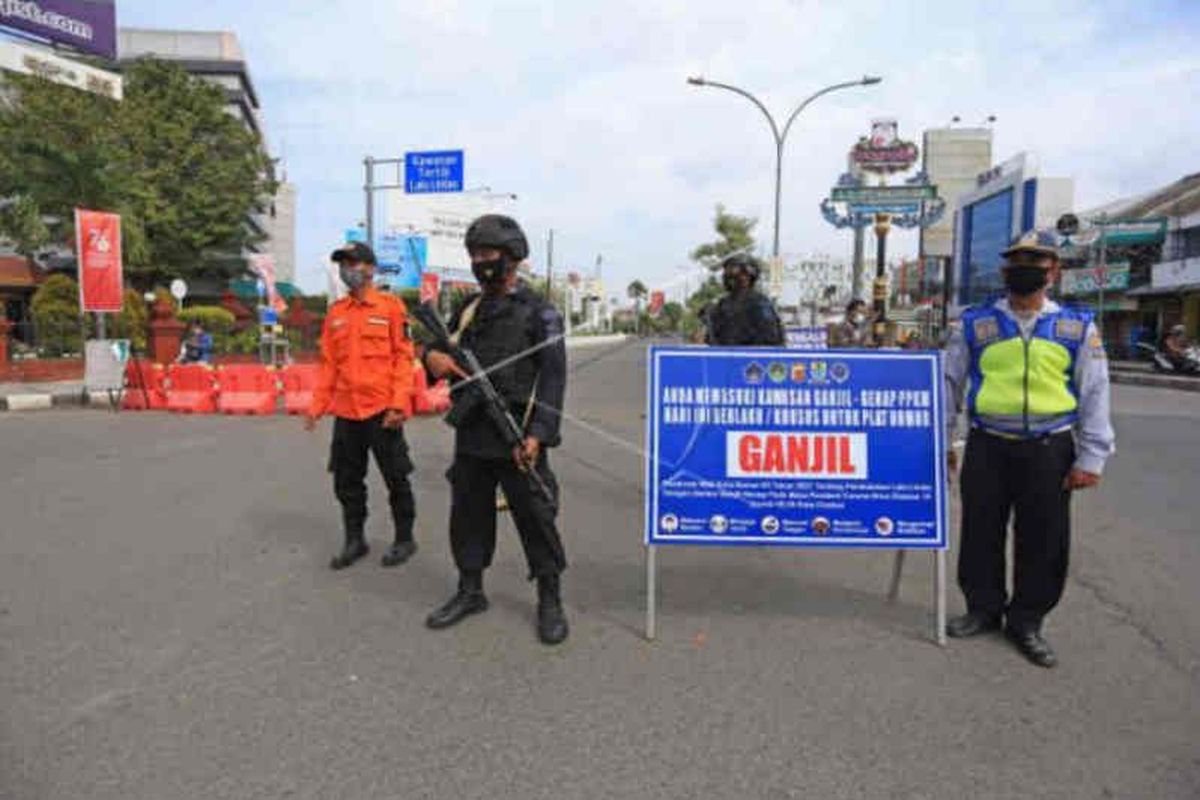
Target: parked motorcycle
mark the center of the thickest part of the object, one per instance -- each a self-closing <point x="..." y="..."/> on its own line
<point x="1188" y="364"/>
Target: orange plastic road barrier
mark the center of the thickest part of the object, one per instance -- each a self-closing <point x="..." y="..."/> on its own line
<point x="191" y="389"/>
<point x="246" y="389"/>
<point x="299" y="381"/>
<point x="144" y="387"/>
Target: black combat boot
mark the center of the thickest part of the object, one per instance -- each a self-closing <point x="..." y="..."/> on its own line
<point x="468" y="600"/>
<point x="551" y="621"/>
<point x="400" y="551"/>
<point x="354" y="549"/>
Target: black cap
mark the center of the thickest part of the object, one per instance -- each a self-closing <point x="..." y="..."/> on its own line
<point x="353" y="253"/>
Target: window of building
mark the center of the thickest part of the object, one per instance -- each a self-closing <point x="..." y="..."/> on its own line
<point x="1186" y="244"/>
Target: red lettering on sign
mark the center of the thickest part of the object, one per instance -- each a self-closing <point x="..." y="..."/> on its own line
<point x="749" y="456"/>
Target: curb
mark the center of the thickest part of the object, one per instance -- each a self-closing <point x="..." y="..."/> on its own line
<point x="44" y="400"/>
<point x="1157" y="381"/>
<point x="594" y="341"/>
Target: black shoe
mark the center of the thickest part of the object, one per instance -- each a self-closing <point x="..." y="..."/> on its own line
<point x="973" y="623"/>
<point x="354" y="549"/>
<point x="398" y="553"/>
<point x="1032" y="645"/>
<point x="551" y="620"/>
<point x="456" y="609"/>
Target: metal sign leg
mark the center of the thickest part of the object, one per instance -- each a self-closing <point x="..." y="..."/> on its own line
<point x="939" y="598"/>
<point x="651" y="593"/>
<point x="897" y="574"/>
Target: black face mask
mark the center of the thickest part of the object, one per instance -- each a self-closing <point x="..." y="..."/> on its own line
<point x="1024" y="279"/>
<point x="492" y="271"/>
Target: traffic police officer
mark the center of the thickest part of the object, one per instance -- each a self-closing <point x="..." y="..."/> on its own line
<point x="1035" y="380"/>
<point x="366" y="382"/>
<point x="744" y="316"/>
<point x="517" y="337"/>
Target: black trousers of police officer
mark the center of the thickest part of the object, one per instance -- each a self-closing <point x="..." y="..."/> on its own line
<point x="1021" y="478"/>
<point x="352" y="441"/>
<point x="473" y="483"/>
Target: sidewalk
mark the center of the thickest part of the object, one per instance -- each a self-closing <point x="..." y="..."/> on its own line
<point x="1140" y="373"/>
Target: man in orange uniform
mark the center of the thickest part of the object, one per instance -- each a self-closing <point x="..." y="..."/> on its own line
<point x="366" y="382"/>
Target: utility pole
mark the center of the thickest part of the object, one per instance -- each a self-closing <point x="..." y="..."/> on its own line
<point x="1102" y="274"/>
<point x="369" y="188"/>
<point x="550" y="268"/>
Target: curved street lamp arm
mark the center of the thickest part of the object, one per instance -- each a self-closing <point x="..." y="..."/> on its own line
<point x="814" y="96"/>
<point x="752" y="99"/>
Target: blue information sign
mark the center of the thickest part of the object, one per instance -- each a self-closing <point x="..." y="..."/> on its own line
<point x="433" y="171"/>
<point x="807" y="338"/>
<point x="785" y="447"/>
<point x="402" y="259"/>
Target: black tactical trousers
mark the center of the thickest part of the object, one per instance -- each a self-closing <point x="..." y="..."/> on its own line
<point x="473" y="483"/>
<point x="1024" y="479"/>
<point x="352" y="440"/>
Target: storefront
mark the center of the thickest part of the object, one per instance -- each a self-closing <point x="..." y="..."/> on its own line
<point x="19" y="279"/>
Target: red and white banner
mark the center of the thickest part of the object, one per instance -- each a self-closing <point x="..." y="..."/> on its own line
<point x="98" y="250"/>
<point x="430" y="285"/>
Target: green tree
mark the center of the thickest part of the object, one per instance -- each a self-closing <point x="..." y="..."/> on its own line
<point x="183" y="174"/>
<point x="55" y="308"/>
<point x="737" y="235"/>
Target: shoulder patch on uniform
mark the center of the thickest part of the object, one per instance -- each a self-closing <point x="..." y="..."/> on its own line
<point x="1069" y="329"/>
<point x="985" y="330"/>
<point x="337" y="323"/>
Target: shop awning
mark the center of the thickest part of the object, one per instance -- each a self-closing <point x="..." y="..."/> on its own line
<point x="17" y="273"/>
<point x="1157" y="291"/>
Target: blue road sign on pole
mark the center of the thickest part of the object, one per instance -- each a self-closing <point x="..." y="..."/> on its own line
<point x="786" y="447"/>
<point x="433" y="171"/>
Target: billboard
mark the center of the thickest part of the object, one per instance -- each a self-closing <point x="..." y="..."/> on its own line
<point x="87" y="25"/>
<point x="401" y="258"/>
<point x="784" y="447"/>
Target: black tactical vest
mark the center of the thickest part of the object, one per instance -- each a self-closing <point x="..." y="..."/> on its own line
<point x="503" y="328"/>
<point x="748" y="319"/>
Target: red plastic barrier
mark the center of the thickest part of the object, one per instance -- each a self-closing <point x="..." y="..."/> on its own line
<point x="246" y="389"/>
<point x="144" y="387"/>
<point x="191" y="389"/>
<point x="299" y="381"/>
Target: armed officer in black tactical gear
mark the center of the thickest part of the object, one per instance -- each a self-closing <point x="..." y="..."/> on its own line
<point x="517" y="338"/>
<point x="744" y="316"/>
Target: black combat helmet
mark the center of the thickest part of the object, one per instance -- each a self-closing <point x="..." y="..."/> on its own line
<point x="745" y="262"/>
<point x="501" y="232"/>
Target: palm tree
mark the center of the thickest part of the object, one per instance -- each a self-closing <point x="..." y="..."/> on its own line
<point x="636" y="291"/>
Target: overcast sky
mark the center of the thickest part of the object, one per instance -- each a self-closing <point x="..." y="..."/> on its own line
<point x="582" y="110"/>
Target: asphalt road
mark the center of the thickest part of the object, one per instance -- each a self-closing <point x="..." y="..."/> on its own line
<point x="169" y="629"/>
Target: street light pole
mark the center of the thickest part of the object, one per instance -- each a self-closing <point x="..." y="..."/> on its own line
<point x="780" y="136"/>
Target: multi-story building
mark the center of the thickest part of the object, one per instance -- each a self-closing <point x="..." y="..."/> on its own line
<point x="952" y="158"/>
<point x="1009" y="199"/>
<point x="217" y="57"/>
